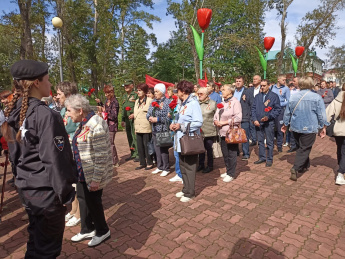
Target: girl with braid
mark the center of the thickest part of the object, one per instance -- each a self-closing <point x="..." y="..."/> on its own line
<point x="42" y="156"/>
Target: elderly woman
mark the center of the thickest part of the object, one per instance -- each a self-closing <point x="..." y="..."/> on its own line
<point x="142" y="127"/>
<point x="110" y="113"/>
<point x="228" y="113"/>
<point x="64" y="90"/>
<point x="336" y="109"/>
<point x="158" y="116"/>
<point x="306" y="116"/>
<point x="208" y="109"/>
<point x="189" y="113"/>
<point x="92" y="153"/>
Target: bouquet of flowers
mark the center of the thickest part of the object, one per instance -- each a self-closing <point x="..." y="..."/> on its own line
<point x="172" y="107"/>
<point x="155" y="105"/>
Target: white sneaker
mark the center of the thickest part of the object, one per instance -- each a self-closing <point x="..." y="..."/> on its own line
<point x="157" y="171"/>
<point x="185" y="199"/>
<point x="179" y="195"/>
<point x="164" y="173"/>
<point x="79" y="237"/>
<point x="286" y="144"/>
<point x="223" y="175"/>
<point x="228" y="179"/>
<point x="68" y="216"/>
<point x="340" y="179"/>
<point x="97" y="240"/>
<point x="176" y="178"/>
<point x="73" y="222"/>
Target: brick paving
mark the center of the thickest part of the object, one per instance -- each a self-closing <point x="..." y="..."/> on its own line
<point x="262" y="214"/>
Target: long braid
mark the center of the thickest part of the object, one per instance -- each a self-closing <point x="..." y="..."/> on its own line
<point x="17" y="93"/>
<point x="25" y="106"/>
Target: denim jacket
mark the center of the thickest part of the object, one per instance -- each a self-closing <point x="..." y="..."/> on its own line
<point x="189" y="112"/>
<point x="310" y="114"/>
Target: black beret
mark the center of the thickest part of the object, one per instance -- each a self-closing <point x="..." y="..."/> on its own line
<point x="28" y="69"/>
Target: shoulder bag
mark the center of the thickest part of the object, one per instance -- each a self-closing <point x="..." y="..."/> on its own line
<point x="191" y="145"/>
<point x="163" y="138"/>
<point x="217" y="151"/>
<point x="235" y="135"/>
<point x="330" y="127"/>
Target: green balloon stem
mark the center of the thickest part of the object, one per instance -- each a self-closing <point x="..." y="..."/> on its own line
<point x="266" y="64"/>
<point x="297" y="67"/>
<point x="200" y="69"/>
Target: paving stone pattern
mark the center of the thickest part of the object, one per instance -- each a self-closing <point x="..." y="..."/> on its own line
<point x="262" y="214"/>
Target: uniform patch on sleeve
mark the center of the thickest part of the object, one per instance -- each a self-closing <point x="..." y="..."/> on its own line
<point x="59" y="142"/>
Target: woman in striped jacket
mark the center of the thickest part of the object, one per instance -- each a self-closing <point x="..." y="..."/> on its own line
<point x="93" y="156"/>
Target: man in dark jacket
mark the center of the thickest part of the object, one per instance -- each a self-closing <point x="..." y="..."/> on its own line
<point x="265" y="109"/>
<point x="243" y="95"/>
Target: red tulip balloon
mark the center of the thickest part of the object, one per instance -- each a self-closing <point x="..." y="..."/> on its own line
<point x="204" y="18"/>
<point x="268" y="43"/>
<point x="299" y="51"/>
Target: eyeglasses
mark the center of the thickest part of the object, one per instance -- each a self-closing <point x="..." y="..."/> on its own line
<point x="263" y="85"/>
<point x="201" y="94"/>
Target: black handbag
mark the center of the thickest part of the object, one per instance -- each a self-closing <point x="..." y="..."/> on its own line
<point x="164" y="139"/>
<point x="330" y="127"/>
<point x="191" y="145"/>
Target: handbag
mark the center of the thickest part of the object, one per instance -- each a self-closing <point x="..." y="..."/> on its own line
<point x="235" y="135"/>
<point x="217" y="151"/>
<point x="191" y="145"/>
<point x="330" y="127"/>
<point x="164" y="139"/>
<point x="150" y="147"/>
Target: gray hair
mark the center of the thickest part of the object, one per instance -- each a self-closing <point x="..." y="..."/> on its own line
<point x="48" y="100"/>
<point x="78" y="102"/>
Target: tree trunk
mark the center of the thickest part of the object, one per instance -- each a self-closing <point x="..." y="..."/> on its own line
<point x="26" y="47"/>
<point x="283" y="34"/>
<point x="94" y="76"/>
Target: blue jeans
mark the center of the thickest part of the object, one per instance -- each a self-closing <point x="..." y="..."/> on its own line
<point x="266" y="130"/>
<point x="245" y="146"/>
<point x="252" y="132"/>
<point x="177" y="164"/>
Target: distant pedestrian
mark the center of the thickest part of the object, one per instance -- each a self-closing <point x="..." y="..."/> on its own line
<point x="306" y="116"/>
<point x="325" y="93"/>
<point x="265" y="109"/>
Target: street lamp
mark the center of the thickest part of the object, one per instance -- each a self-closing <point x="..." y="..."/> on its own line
<point x="57" y="23"/>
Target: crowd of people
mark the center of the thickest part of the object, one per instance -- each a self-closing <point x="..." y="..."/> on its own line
<point x="63" y="152"/>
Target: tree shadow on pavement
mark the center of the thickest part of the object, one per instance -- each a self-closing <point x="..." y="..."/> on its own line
<point x="247" y="248"/>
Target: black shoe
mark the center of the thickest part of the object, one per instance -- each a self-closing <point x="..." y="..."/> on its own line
<point x="129" y="158"/>
<point x="293" y="176"/>
<point x="149" y="167"/>
<point x="269" y="164"/>
<point x="259" y="162"/>
<point x="292" y="150"/>
<point x="280" y="149"/>
<point x="207" y="170"/>
<point x="252" y="144"/>
<point x="140" y="167"/>
<point x="200" y="167"/>
<point x="245" y="158"/>
<point x="136" y="160"/>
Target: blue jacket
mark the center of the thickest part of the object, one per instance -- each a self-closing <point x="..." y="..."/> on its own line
<point x="189" y="112"/>
<point x="283" y="93"/>
<point x="310" y="114"/>
<point x="259" y="105"/>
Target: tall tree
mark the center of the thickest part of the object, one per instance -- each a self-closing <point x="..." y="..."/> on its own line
<point x="336" y="62"/>
<point x="26" y="48"/>
<point x="318" y="27"/>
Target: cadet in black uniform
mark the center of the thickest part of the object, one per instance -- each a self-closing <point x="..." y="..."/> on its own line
<point x="41" y="152"/>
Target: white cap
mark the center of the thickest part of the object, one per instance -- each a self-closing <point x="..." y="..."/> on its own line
<point x="160" y="87"/>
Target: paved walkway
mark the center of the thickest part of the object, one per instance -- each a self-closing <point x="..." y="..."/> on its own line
<point x="262" y="214"/>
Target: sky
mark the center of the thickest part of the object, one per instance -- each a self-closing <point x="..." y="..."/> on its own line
<point x="295" y="13"/>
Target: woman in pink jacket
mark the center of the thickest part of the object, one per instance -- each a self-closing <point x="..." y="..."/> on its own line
<point x="229" y="112"/>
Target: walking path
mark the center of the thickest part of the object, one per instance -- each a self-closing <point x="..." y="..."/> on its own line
<point x="262" y="214"/>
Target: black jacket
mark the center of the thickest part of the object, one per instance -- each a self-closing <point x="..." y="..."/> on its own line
<point x="45" y="169"/>
<point x="259" y="104"/>
<point x="246" y="103"/>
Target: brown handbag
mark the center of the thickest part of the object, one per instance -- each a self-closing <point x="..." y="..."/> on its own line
<point x="235" y="135"/>
<point x="191" y="145"/>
